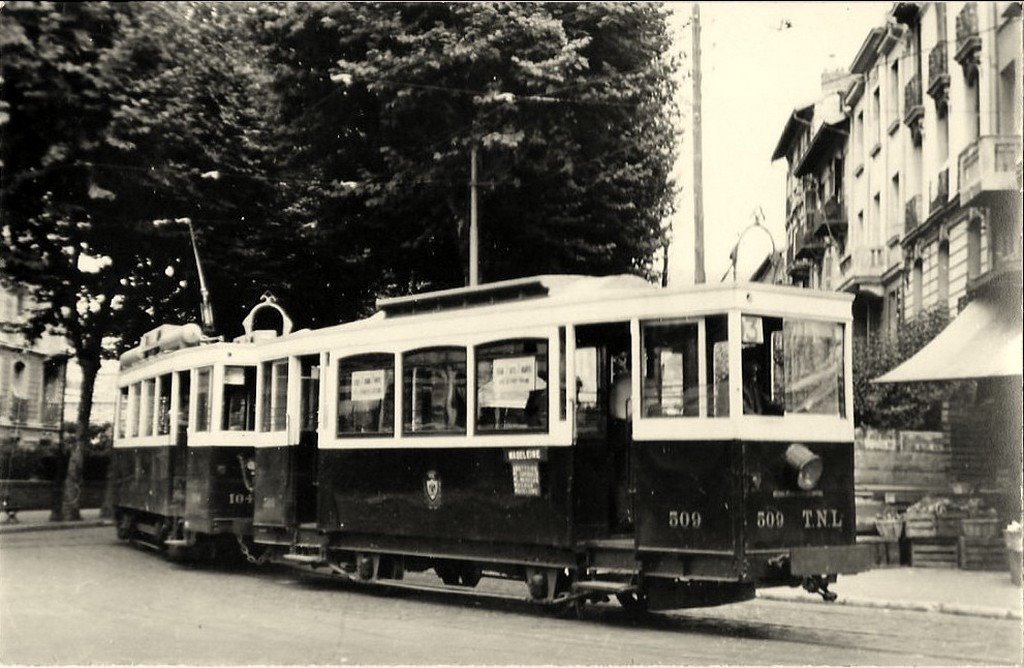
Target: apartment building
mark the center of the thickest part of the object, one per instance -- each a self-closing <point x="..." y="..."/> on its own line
<point x="32" y="376"/>
<point x="814" y="142"/>
<point x="916" y="176"/>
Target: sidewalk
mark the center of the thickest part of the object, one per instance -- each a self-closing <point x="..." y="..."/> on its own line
<point x="950" y="591"/>
<point x="39" y="520"/>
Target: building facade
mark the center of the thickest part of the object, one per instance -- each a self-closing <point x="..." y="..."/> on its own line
<point x="32" y="376"/>
<point x="903" y="186"/>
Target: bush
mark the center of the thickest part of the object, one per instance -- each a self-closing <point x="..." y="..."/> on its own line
<point x="907" y="406"/>
<point x="46" y="461"/>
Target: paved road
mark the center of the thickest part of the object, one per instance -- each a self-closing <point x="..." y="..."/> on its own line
<point x="82" y="597"/>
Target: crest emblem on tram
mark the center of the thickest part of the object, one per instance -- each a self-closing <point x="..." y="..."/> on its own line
<point x="432" y="488"/>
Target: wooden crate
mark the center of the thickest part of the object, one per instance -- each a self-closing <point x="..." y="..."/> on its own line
<point x="933" y="526"/>
<point x="886" y="553"/>
<point x="980" y="528"/>
<point x="934" y="553"/>
<point x="982" y="554"/>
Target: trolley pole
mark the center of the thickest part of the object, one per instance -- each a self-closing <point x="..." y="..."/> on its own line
<point x="474" y="231"/>
<point x="698" y="179"/>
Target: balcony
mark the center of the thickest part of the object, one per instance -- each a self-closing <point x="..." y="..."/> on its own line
<point x="912" y="214"/>
<point x="938" y="77"/>
<point x="864" y="261"/>
<point x="989" y="166"/>
<point x="968" y="41"/>
<point x="799" y="270"/>
<point x="808" y="246"/>
<point x="913" y="108"/>
<point x="940" y="191"/>
<point x="828" y="220"/>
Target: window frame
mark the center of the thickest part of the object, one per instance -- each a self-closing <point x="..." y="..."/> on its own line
<point x="702" y="388"/>
<point x="406" y="430"/>
<point x="336" y="397"/>
<point x="488" y="433"/>
<point x="267" y="397"/>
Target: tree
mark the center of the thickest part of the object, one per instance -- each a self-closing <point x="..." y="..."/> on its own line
<point x="106" y="130"/>
<point x="570" y="106"/>
<point x="899" y="405"/>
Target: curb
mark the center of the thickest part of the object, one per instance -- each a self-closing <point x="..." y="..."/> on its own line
<point x="54" y="526"/>
<point x="944" y="608"/>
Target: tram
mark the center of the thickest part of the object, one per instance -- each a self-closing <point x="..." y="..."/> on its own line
<point x="588" y="436"/>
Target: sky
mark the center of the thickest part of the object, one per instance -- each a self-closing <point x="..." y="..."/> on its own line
<point x="758" y="62"/>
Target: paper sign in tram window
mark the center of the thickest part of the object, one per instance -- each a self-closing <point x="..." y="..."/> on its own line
<point x="368" y="385"/>
<point x="512" y="380"/>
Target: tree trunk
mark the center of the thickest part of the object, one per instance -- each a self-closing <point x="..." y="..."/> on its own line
<point x="76" y="454"/>
<point x="109" y="489"/>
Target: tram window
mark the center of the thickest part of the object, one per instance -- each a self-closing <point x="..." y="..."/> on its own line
<point x="434" y="391"/>
<point x="716" y="340"/>
<point x="274" y="398"/>
<point x="146" y="414"/>
<point x="759" y="365"/>
<point x="122" y="413"/>
<point x="590" y="418"/>
<point x="133" y="414"/>
<point x="204" y="398"/>
<point x="184" y="380"/>
<point x="671" y="380"/>
<point x="814" y="367"/>
<point x="512" y="387"/>
<point x="792" y="366"/>
<point x="366" y="395"/>
<point x="163" y="405"/>
<point x="309" y="409"/>
<point x="239" y="408"/>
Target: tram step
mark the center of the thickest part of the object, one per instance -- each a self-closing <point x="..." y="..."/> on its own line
<point x="303" y="558"/>
<point x="604" y="586"/>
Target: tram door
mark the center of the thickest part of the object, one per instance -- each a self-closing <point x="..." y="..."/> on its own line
<point x="305" y="465"/>
<point x="602" y="485"/>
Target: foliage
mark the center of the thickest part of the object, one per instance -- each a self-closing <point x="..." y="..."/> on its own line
<point x="899" y="405"/>
<point x="570" y="105"/>
<point x="44" y="462"/>
<point x="330" y="193"/>
<point x="113" y="113"/>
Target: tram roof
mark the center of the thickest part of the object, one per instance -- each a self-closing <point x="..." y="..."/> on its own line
<point x="517" y="289"/>
<point x="575" y="293"/>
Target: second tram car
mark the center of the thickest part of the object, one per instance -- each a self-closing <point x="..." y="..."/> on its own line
<point x="590" y="436"/>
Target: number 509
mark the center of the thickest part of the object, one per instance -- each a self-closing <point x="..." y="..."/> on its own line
<point x="684" y="519"/>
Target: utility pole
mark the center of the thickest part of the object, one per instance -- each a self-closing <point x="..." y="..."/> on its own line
<point x="474" y="232"/>
<point x="698" y="179"/>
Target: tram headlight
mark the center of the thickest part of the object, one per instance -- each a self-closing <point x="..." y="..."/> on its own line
<point x="808" y="466"/>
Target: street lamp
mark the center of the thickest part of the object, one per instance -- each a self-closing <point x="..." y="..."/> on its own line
<point x="734" y="253"/>
<point x="205" y="308"/>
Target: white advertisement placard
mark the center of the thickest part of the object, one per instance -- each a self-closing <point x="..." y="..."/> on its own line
<point x="512" y="380"/>
<point x="368" y="385"/>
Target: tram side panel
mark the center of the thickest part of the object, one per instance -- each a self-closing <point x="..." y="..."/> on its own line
<point x="145" y="480"/>
<point x="219" y="495"/>
<point x="451" y="495"/>
<point x="777" y="512"/>
<point x="717" y="502"/>
<point x="272" y="488"/>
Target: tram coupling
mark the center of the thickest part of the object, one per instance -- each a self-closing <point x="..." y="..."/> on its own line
<point x="817" y="584"/>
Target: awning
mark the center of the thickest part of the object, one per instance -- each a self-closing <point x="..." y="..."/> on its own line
<point x="984" y="341"/>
